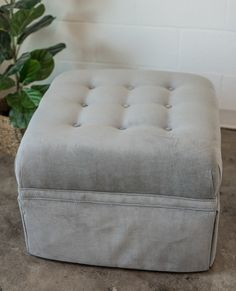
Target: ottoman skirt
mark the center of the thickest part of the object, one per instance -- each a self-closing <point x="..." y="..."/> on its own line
<point x="110" y="229"/>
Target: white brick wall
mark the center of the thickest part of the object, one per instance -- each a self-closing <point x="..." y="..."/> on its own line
<point x="185" y="35"/>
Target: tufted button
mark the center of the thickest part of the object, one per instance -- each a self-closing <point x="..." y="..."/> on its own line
<point x="91" y="87"/>
<point x="171" y="89"/>
<point x="126" y="105"/>
<point x="130" y="87"/>
<point x="76" y="124"/>
<point x="122" y="128"/>
<point x="168" y="129"/>
<point x="84" y="105"/>
<point x="168" y="106"/>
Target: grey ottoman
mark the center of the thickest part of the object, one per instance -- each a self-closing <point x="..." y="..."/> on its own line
<point x="122" y="168"/>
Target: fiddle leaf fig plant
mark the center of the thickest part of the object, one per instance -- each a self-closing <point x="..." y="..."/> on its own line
<point x="18" y="20"/>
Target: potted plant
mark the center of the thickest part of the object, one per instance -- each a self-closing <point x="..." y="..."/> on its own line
<point x="19" y="95"/>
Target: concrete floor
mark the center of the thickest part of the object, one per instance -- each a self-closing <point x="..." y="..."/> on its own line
<point x="19" y="271"/>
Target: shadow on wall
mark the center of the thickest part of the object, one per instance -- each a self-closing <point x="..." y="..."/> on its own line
<point x="87" y="42"/>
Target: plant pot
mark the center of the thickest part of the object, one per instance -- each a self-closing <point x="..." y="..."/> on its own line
<point x="10" y="137"/>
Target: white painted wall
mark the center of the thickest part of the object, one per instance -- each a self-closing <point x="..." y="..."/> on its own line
<point x="181" y="35"/>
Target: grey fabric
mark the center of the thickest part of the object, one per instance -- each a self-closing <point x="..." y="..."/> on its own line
<point x="144" y="157"/>
<point x="122" y="168"/>
<point x="120" y="230"/>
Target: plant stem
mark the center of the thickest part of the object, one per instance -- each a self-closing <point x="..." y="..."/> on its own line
<point x="17" y="51"/>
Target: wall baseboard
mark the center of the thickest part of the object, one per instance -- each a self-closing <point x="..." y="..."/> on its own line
<point x="228" y="119"/>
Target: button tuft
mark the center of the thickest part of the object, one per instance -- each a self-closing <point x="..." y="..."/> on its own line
<point x="168" y="106"/>
<point x="126" y="105"/>
<point x="84" y="105"/>
<point x="170" y="88"/>
<point x="76" y="124"/>
<point x="168" y="129"/>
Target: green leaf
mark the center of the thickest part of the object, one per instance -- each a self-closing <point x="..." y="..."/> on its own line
<point x="23" y="105"/>
<point x="6" y="83"/>
<point x="20" y="119"/>
<point x="34" y="95"/>
<point x="22" y="18"/>
<point x="2" y="58"/>
<point x="53" y="50"/>
<point x="6" y="8"/>
<point x="45" y="21"/>
<point x="46" y="62"/>
<point x="5" y="41"/>
<point x="20" y="101"/>
<point x="41" y="88"/>
<point x="13" y="100"/>
<point x="22" y="109"/>
<point x="16" y="68"/>
<point x="26" y="4"/>
<point x="28" y="73"/>
<point x="26" y="101"/>
<point x="4" y="21"/>
<point x="5" y="46"/>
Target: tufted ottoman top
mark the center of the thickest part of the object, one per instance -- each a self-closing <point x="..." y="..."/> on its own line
<point x="124" y="131"/>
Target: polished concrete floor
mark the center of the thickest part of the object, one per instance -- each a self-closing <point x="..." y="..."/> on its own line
<point x="19" y="271"/>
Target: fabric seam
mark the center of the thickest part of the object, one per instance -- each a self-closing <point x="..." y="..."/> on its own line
<point x="121" y="193"/>
<point x="213" y="237"/>
<point x="116" y="204"/>
<point x="24" y="224"/>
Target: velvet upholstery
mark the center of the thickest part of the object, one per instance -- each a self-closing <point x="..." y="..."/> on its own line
<point x="122" y="168"/>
